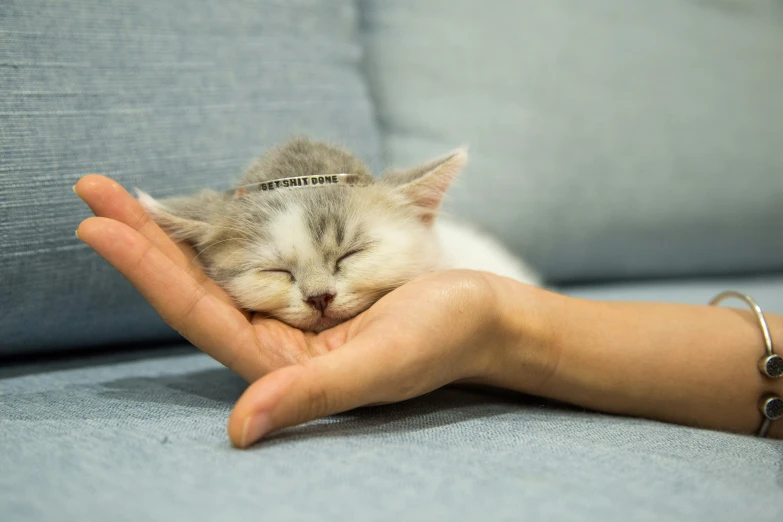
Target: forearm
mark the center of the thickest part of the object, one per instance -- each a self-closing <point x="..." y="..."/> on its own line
<point x="691" y="365"/>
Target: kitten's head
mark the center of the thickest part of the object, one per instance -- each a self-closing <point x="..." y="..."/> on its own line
<point x="313" y="257"/>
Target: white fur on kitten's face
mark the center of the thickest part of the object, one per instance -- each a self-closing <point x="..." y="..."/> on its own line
<point x="294" y="267"/>
<point x="314" y="257"/>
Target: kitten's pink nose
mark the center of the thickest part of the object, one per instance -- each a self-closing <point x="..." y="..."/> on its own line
<point x="320" y="302"/>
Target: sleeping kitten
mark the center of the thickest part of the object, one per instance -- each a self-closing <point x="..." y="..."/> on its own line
<point x="318" y="250"/>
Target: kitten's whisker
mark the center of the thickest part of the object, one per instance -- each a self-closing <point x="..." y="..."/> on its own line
<point x="242" y="233"/>
<point x="210" y="246"/>
<point x="389" y="288"/>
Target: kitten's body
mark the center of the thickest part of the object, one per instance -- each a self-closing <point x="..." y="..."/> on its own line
<point x="318" y="255"/>
<point x="463" y="246"/>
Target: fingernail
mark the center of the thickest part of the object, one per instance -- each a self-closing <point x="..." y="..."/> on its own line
<point x="74" y="190"/>
<point x="77" y="233"/>
<point x="254" y="428"/>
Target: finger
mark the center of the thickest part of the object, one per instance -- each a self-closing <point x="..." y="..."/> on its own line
<point x="107" y="198"/>
<point x="367" y="370"/>
<point x="209" y="323"/>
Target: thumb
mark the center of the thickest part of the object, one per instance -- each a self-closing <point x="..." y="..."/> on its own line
<point x="338" y="381"/>
<point x="367" y="370"/>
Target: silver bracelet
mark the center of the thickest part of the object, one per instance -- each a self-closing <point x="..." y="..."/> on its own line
<point x="770" y="365"/>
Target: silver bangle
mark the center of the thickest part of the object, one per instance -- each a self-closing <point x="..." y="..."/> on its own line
<point x="770" y="365"/>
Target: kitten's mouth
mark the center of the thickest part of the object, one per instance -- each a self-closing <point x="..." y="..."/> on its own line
<point x="315" y="321"/>
<point x="324" y="320"/>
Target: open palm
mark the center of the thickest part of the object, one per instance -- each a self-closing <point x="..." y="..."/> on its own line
<point x="424" y="335"/>
<point x="170" y="277"/>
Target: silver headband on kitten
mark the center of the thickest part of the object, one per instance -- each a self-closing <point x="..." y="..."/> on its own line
<point x="308" y="236"/>
<point x="299" y="182"/>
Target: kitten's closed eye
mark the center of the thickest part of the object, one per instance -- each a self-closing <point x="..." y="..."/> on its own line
<point x="280" y="271"/>
<point x="344" y="257"/>
<point x="282" y="252"/>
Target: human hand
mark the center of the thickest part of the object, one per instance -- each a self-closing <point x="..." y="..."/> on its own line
<point x="442" y="328"/>
<point x="169" y="276"/>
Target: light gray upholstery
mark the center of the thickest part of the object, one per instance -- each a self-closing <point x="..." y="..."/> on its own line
<point x="767" y="290"/>
<point x="145" y="440"/>
<point x="168" y="96"/>
<point x="609" y="139"/>
<point x="604" y="135"/>
<point x="109" y="438"/>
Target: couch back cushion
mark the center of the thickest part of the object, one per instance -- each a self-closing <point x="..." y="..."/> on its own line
<point x="169" y="96"/>
<point x="609" y="139"/>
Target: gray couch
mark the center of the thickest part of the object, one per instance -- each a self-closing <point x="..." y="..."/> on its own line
<point x="628" y="149"/>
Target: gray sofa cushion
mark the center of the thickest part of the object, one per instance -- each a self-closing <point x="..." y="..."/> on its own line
<point x="111" y="439"/>
<point x="767" y="290"/>
<point x="146" y="441"/>
<point x="168" y="96"/>
<point x="609" y="139"/>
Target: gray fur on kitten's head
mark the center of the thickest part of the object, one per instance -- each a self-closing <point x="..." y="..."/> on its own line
<point x="314" y="257"/>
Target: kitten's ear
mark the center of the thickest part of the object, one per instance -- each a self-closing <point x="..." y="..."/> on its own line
<point x="425" y="185"/>
<point x="184" y="218"/>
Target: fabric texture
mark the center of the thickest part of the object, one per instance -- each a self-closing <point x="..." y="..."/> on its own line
<point x="166" y="96"/>
<point x="766" y="290"/>
<point x="113" y="438"/>
<point x="146" y="440"/>
<point x="608" y="139"/>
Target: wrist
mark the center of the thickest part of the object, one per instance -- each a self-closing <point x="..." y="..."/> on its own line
<point x="525" y="356"/>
